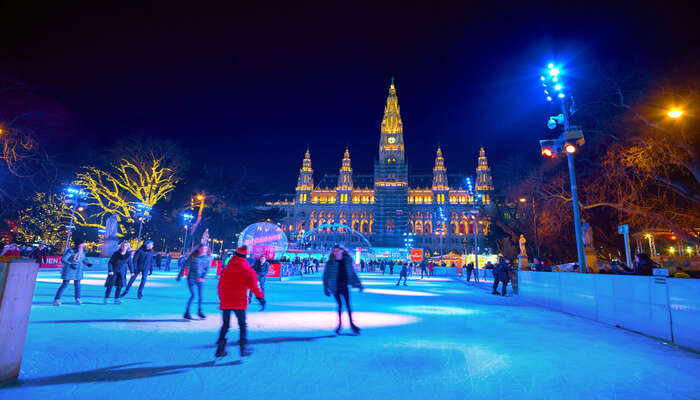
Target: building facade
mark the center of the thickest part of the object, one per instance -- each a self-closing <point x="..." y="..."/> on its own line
<point x="437" y="209"/>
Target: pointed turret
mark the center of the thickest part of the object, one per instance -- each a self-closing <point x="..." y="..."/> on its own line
<point x="440" y="184"/>
<point x="344" y="187"/>
<point x="391" y="146"/>
<point x="484" y="183"/>
<point x="305" y="183"/>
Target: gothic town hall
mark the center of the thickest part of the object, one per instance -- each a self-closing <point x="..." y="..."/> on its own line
<point x="384" y="206"/>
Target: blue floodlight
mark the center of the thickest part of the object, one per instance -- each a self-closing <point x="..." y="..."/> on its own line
<point x="553" y="71"/>
<point x="549" y="98"/>
<point x="557" y="87"/>
<point x="555" y="79"/>
<point x="542" y="78"/>
<point x="550" y="65"/>
<point x="561" y="95"/>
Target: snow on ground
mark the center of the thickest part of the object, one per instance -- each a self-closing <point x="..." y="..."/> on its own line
<point x="433" y="339"/>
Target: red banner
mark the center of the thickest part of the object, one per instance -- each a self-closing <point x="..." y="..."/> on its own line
<point x="52" y="262"/>
<point x="274" y="271"/>
<point x="416" y="255"/>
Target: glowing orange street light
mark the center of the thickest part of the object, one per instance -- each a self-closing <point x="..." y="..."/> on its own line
<point x="547" y="152"/>
<point x="200" y="197"/>
<point x="675" y="113"/>
<point x="570" y="148"/>
<point x="522" y="200"/>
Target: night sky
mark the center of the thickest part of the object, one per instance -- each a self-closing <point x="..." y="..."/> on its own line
<point x="252" y="87"/>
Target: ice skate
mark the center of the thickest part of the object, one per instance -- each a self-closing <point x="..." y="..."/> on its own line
<point x="355" y="329"/>
<point x="201" y="315"/>
<point x="57" y="303"/>
<point x="117" y="301"/>
<point x="245" y="350"/>
<point x="187" y="315"/>
<point x="221" y="348"/>
<point x="337" y="330"/>
<point x="105" y="302"/>
<point x="78" y="302"/>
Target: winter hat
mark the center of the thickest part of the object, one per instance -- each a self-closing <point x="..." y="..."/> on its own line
<point x="147" y="242"/>
<point x="242" y="251"/>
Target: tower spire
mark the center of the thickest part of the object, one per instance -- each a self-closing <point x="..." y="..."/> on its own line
<point x="391" y="146"/>
<point x="305" y="183"/>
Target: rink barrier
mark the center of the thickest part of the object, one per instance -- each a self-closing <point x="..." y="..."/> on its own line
<point x="665" y="308"/>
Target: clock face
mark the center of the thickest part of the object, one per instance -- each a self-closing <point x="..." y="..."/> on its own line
<point x="392" y="140"/>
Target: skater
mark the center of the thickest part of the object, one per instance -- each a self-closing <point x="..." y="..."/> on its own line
<point x="338" y="274"/>
<point x="142" y="264"/>
<point x="362" y="265"/>
<point x="39" y="254"/>
<point x="391" y="268"/>
<point x="470" y="270"/>
<point x="260" y="267"/>
<point x="168" y="258"/>
<point x="158" y="260"/>
<point x="423" y="269"/>
<point x="197" y="264"/>
<point x="73" y="260"/>
<point x="501" y="273"/>
<point x="117" y="271"/>
<point x="235" y="280"/>
<point x="316" y="265"/>
<point x="403" y="274"/>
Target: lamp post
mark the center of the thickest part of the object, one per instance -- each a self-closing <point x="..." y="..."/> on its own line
<point x="77" y="199"/>
<point x="143" y="212"/>
<point x="534" y="224"/>
<point x="186" y="218"/>
<point x="567" y="143"/>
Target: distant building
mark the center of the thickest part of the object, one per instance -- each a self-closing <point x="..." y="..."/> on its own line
<point x="391" y="202"/>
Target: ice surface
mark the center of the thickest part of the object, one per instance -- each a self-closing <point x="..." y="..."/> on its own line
<point x="433" y="339"/>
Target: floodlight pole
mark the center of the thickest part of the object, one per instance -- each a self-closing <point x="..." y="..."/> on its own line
<point x="70" y="227"/>
<point x="574" y="196"/>
<point x="138" y="240"/>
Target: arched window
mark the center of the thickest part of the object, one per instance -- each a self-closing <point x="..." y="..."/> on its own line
<point x="428" y="227"/>
<point x="419" y="227"/>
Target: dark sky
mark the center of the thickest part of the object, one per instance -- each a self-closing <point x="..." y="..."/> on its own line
<point x="252" y="87"/>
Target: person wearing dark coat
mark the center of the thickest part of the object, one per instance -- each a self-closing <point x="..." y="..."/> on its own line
<point x="643" y="265"/>
<point x="39" y="254"/>
<point x="234" y="282"/>
<point x="197" y="265"/>
<point x="73" y="260"/>
<point x="168" y="259"/>
<point x="141" y="264"/>
<point x="158" y="261"/>
<point x="337" y="275"/>
<point x="470" y="270"/>
<point x="117" y="268"/>
<point x="261" y="267"/>
<point x="403" y="274"/>
<point x="501" y="273"/>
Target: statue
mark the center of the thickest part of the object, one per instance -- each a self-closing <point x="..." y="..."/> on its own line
<point x="205" y="236"/>
<point x="523" y="252"/>
<point x="111" y="226"/>
<point x="587" y="235"/>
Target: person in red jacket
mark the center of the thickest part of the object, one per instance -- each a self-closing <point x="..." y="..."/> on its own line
<point x="235" y="281"/>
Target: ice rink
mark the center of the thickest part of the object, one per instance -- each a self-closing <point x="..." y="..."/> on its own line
<point x="433" y="339"/>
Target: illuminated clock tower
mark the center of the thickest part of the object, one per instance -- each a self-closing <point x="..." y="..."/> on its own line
<point x="391" y="178"/>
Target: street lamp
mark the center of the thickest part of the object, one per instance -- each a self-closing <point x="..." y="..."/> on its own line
<point x="566" y="143"/>
<point x="675" y="113"/>
<point x="143" y="212"/>
<point x="77" y="199"/>
<point x="186" y="219"/>
<point x="523" y="200"/>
